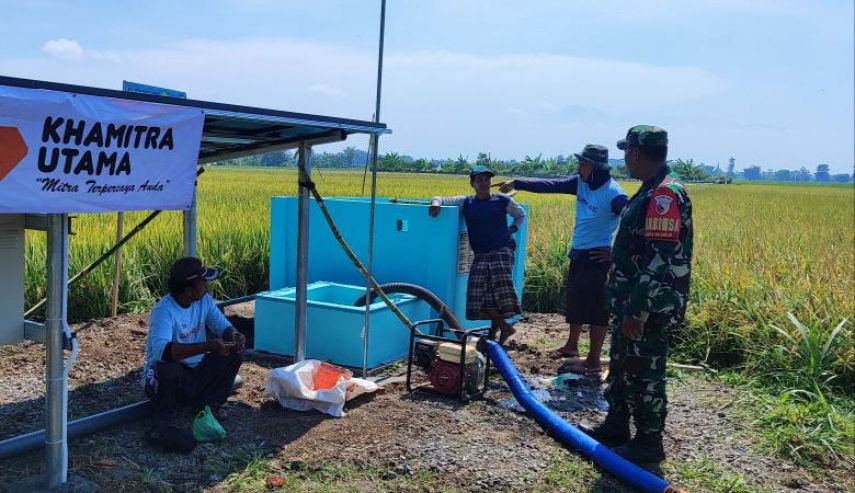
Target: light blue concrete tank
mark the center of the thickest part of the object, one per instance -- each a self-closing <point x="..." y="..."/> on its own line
<point x="409" y="246"/>
<point x="334" y="324"/>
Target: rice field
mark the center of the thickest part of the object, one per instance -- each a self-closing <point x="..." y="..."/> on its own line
<point x="772" y="299"/>
<point x="762" y="251"/>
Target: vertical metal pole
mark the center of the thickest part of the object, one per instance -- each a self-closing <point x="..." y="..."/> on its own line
<point x="374" y="142"/>
<point x="56" y="448"/>
<point x="117" y="264"/>
<point x="305" y="158"/>
<point x="190" y="227"/>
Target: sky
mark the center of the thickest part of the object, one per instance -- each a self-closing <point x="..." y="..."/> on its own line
<point x="767" y="82"/>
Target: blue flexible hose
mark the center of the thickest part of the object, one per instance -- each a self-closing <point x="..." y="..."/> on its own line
<point x="568" y="434"/>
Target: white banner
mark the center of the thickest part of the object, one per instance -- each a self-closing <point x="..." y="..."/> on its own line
<point x="63" y="152"/>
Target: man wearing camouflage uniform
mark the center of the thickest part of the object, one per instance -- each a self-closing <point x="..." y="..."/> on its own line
<point x="647" y="290"/>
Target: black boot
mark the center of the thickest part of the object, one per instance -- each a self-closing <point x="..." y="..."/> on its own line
<point x="645" y="448"/>
<point x="613" y="432"/>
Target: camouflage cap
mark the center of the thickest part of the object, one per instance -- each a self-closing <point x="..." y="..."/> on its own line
<point x="597" y="156"/>
<point x="644" y="136"/>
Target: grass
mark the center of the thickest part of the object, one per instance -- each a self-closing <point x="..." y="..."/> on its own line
<point x="814" y="433"/>
<point x="772" y="284"/>
<point x="705" y="475"/>
<point x="566" y="473"/>
<point x="547" y="343"/>
<point x="326" y="478"/>
<point x="250" y="470"/>
<point x="806" y="408"/>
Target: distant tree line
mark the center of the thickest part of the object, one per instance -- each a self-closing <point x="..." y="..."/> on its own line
<point x="821" y="175"/>
<point x="536" y="166"/>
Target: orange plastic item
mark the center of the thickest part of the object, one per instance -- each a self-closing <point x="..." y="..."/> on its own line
<point x="327" y="376"/>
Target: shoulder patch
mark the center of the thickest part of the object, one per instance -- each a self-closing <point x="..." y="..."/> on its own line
<point x="674" y="183"/>
<point x="662" y="221"/>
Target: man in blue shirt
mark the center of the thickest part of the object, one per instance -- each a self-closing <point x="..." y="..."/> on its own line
<point x="183" y="366"/>
<point x="599" y="202"/>
<point x="490" y="293"/>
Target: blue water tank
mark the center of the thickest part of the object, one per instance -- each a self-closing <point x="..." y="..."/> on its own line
<point x="334" y="325"/>
<point x="409" y="246"/>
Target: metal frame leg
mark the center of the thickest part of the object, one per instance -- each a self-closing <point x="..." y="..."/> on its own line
<point x="302" y="254"/>
<point x="56" y="402"/>
<point x="190" y="225"/>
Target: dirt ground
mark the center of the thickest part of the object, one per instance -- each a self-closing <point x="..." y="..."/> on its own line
<point x="392" y="441"/>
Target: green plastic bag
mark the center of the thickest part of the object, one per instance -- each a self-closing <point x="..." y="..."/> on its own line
<point x="206" y="428"/>
<point x="563" y="381"/>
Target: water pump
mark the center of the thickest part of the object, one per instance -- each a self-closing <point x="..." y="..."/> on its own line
<point x="449" y="370"/>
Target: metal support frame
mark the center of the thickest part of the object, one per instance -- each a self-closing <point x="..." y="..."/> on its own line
<point x="104" y="256"/>
<point x="461" y="338"/>
<point x="324" y="138"/>
<point x="190" y="226"/>
<point x="56" y="447"/>
<point x="35" y="331"/>
<point x="374" y="139"/>
<point x="305" y="157"/>
<point x="39" y="222"/>
<point x="367" y="323"/>
<point x="235" y="301"/>
<point x="54" y="332"/>
<point x="77" y="428"/>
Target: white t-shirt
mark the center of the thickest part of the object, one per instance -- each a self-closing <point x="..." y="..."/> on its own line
<point x="170" y="322"/>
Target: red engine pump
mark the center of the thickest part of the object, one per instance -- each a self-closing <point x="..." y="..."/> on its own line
<point x="445" y="377"/>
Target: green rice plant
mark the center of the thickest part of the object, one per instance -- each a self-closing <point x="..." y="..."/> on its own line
<point x="809" y="355"/>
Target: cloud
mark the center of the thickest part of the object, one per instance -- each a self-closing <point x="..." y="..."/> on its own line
<point x="285" y="73"/>
<point x="510" y="105"/>
<point x="66" y="49"/>
<point x="438" y="103"/>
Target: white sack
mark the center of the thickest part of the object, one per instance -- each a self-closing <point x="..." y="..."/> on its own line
<point x="292" y="386"/>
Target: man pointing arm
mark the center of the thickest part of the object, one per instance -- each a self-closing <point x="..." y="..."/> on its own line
<point x="599" y="202"/>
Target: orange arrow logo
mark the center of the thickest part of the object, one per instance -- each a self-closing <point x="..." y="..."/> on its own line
<point x="12" y="150"/>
